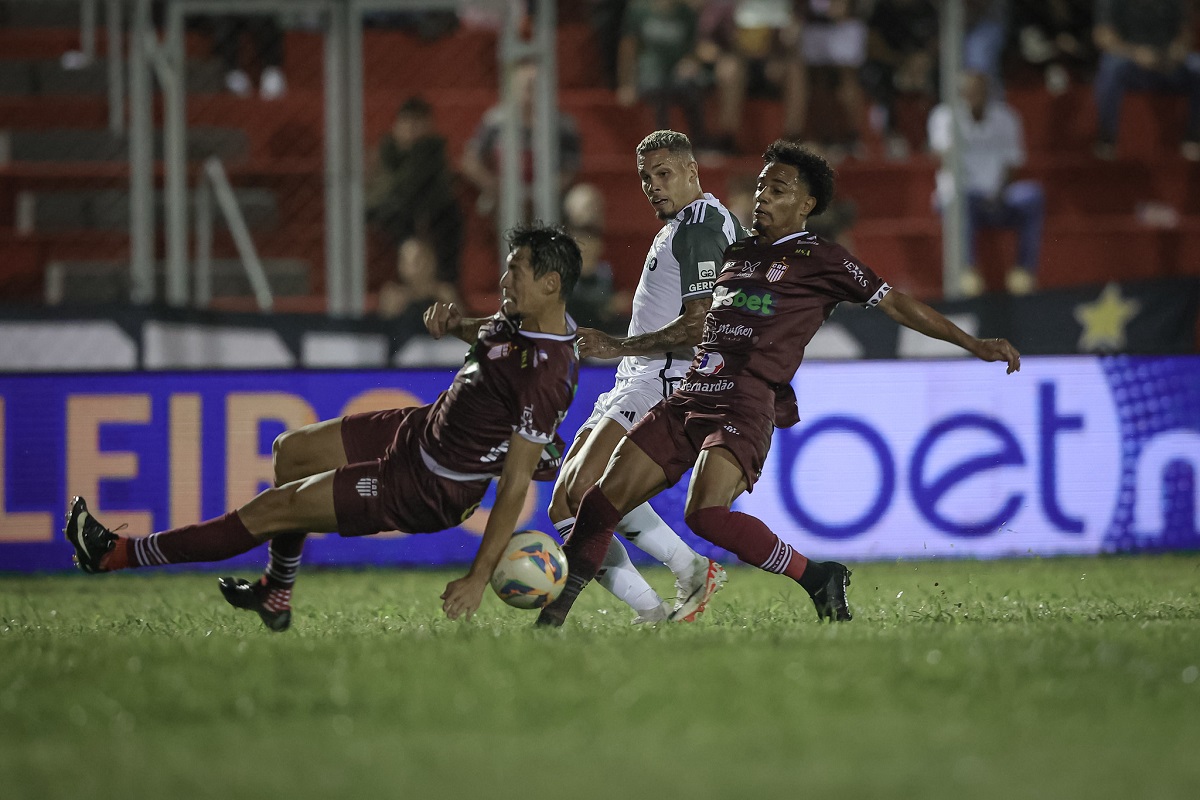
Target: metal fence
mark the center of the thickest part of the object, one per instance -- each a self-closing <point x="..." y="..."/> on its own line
<point x="227" y="153"/>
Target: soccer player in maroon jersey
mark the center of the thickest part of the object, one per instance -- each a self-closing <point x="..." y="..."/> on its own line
<point x="417" y="470"/>
<point x="773" y="292"/>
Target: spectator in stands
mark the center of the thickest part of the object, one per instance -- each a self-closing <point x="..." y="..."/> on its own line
<point x="481" y="157"/>
<point x="595" y="303"/>
<point x="992" y="146"/>
<point x="411" y="188"/>
<point x="833" y="43"/>
<point x="657" y="62"/>
<point x="415" y="288"/>
<point x="1145" y="44"/>
<point x="751" y="47"/>
<point x="266" y="36"/>
<point x="985" y="31"/>
<point x="607" y="18"/>
<point x="1055" y="35"/>
<point x="902" y="40"/>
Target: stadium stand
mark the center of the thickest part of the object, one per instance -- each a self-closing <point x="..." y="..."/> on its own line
<point x="62" y="175"/>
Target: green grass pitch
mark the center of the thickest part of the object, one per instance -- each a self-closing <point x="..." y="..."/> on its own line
<point x="1059" y="678"/>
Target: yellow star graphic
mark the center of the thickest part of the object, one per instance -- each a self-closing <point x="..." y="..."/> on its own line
<point x="1104" y="320"/>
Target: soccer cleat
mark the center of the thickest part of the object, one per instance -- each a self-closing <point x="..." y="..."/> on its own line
<point x="693" y="596"/>
<point x="90" y="539"/>
<point x="241" y="593"/>
<point x="830" y="599"/>
<point x="660" y="613"/>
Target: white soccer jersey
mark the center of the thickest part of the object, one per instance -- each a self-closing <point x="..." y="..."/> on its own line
<point x="682" y="265"/>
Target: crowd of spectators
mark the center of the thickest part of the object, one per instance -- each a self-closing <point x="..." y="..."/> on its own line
<point x="839" y="70"/>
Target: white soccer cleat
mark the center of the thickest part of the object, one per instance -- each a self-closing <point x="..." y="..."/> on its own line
<point x="660" y="613"/>
<point x="692" y="596"/>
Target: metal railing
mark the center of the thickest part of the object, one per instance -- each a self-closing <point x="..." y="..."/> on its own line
<point x="345" y="247"/>
<point x="214" y="184"/>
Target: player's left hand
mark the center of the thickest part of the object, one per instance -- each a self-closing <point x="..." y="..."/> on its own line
<point x="463" y="596"/>
<point x="998" y="350"/>
<point x="591" y="343"/>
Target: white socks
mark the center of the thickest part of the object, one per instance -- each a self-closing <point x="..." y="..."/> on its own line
<point x="645" y="528"/>
<point x="619" y="575"/>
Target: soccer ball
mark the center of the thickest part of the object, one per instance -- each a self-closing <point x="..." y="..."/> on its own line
<point x="532" y="571"/>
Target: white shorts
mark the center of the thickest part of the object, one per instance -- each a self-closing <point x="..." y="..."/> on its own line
<point x="837" y="44"/>
<point x="630" y="399"/>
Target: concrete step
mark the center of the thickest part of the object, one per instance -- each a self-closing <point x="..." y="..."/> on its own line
<point x="50" y="77"/>
<point x="43" y="13"/>
<point x="108" y="210"/>
<point x="75" y="145"/>
<point x="96" y="282"/>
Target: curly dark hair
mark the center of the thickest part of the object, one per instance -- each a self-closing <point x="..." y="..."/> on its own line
<point x="551" y="249"/>
<point x="814" y="170"/>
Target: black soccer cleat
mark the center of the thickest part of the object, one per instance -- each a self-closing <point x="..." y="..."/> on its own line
<point x="830" y="599"/>
<point x="241" y="593"/>
<point x="90" y="539"/>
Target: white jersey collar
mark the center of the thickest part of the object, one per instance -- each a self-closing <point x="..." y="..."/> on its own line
<point x="790" y="236"/>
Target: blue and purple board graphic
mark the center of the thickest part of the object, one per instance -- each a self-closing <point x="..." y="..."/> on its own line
<point x="891" y="459"/>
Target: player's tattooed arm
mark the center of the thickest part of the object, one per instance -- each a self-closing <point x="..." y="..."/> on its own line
<point x="447" y="318"/>
<point x="463" y="596"/>
<point x="912" y="313"/>
<point x="686" y="330"/>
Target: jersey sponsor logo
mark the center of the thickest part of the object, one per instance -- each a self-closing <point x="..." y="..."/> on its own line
<point x="526" y="427"/>
<point x="710" y="364"/>
<point x="802" y="251"/>
<point x="702" y="286"/>
<point x="732" y="429"/>
<point x="729" y="266"/>
<point x="748" y="268"/>
<point x="740" y="299"/>
<point x="855" y="270"/>
<point x="776" y="271"/>
<point x="708" y="270"/>
<point x="706" y="387"/>
<point x="367" y="487"/>
<point x="652" y="263"/>
<point x="734" y="331"/>
<point x="499" y="351"/>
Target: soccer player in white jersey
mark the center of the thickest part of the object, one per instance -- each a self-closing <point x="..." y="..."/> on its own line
<point x="669" y="307"/>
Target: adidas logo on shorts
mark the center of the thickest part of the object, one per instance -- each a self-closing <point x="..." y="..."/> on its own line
<point x="629" y="415"/>
<point x="367" y="487"/>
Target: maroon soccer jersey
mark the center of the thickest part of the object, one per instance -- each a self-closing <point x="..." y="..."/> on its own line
<point x="512" y="381"/>
<point x="769" y="300"/>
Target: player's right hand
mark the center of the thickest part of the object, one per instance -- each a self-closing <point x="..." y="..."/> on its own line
<point x="442" y="318"/>
<point x="999" y="350"/>
<point x="591" y="343"/>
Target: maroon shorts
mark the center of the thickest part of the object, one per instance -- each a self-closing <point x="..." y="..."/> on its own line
<point x="674" y="432"/>
<point x="386" y="485"/>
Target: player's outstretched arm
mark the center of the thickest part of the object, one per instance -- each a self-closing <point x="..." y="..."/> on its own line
<point x="446" y="318"/>
<point x="912" y="313"/>
<point x="463" y="596"/>
<point x="686" y="330"/>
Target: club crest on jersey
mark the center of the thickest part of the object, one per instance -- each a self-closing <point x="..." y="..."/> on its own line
<point x="499" y="351"/>
<point x="776" y="271"/>
<point x="710" y="364"/>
